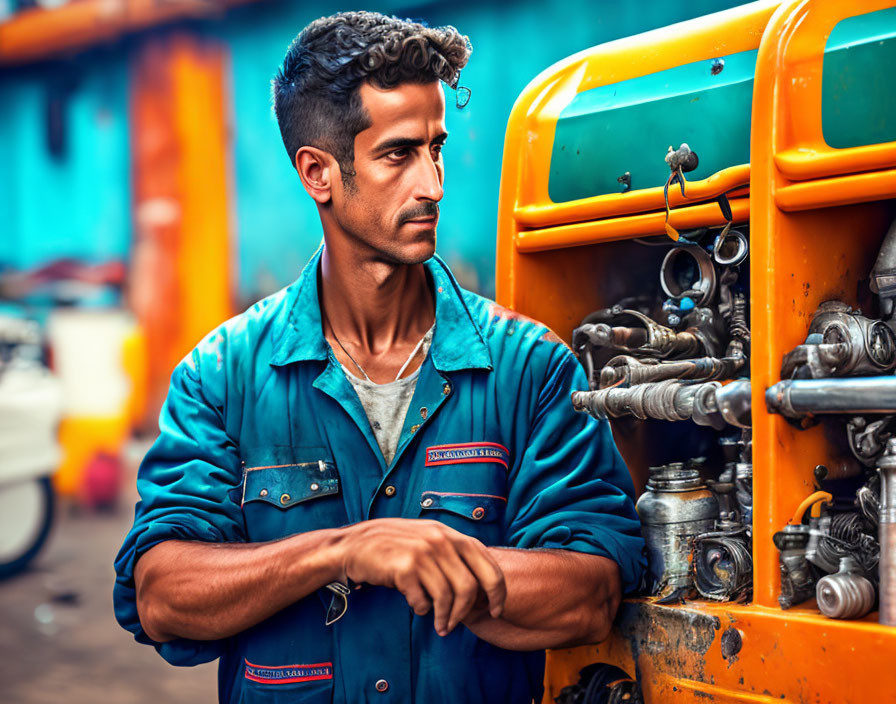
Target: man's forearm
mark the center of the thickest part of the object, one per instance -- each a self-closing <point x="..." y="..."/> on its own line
<point x="207" y="591"/>
<point x="555" y="598"/>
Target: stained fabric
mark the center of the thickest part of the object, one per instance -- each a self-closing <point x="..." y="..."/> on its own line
<point x="262" y="437"/>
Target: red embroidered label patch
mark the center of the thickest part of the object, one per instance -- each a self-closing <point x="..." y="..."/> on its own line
<point x="287" y="674"/>
<point x="467" y="452"/>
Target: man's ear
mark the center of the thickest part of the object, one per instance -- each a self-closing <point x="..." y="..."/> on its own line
<point x="317" y="169"/>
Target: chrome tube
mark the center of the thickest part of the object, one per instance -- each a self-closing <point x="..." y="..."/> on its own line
<point x="797" y="398"/>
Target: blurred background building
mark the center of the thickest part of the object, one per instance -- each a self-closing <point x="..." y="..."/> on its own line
<point x="145" y="194"/>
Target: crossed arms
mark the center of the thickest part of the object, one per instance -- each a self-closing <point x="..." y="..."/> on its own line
<point x="514" y="599"/>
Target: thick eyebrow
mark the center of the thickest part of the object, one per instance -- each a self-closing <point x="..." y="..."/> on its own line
<point x="406" y="143"/>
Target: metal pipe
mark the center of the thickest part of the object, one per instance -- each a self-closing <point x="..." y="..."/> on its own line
<point x="630" y="371"/>
<point x="887" y="535"/>
<point x="640" y="335"/>
<point x="706" y="403"/>
<point x="797" y="398"/>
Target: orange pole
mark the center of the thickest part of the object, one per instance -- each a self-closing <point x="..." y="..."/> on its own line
<point x="181" y="269"/>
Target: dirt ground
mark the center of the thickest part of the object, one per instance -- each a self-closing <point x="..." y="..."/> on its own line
<point x="59" y="640"/>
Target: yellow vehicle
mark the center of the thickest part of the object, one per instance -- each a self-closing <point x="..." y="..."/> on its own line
<point x="791" y="108"/>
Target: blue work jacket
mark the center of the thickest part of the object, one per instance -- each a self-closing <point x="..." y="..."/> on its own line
<point x="262" y="437"/>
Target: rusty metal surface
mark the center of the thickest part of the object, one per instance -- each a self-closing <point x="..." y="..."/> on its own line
<point x="705" y="652"/>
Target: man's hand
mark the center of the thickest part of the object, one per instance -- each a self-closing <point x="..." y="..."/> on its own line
<point x="434" y="566"/>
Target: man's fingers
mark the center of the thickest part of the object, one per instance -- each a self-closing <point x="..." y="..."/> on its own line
<point x="440" y="592"/>
<point x="413" y="591"/>
<point x="487" y="572"/>
<point x="463" y="583"/>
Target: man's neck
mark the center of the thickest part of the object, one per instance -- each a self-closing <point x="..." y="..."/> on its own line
<point x="374" y="305"/>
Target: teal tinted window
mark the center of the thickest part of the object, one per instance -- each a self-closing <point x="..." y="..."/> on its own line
<point x="858" y="94"/>
<point x="628" y="126"/>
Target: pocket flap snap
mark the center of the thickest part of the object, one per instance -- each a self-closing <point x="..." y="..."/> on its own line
<point x="477" y="507"/>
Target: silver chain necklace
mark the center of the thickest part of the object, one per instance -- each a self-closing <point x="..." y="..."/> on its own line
<point x="361" y="369"/>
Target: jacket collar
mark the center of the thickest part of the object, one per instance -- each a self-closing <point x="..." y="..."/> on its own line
<point x="457" y="340"/>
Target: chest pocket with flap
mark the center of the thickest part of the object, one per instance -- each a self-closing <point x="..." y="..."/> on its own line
<point x="294" y="490"/>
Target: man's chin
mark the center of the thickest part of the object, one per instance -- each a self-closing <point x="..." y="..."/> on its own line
<point x="417" y="252"/>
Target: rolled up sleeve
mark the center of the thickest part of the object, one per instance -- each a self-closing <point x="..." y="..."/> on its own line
<point x="570" y="488"/>
<point x="189" y="484"/>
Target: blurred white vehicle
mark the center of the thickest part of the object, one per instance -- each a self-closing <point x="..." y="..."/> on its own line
<point x="30" y="409"/>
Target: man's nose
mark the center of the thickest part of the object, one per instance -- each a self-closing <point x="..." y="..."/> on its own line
<point x="429" y="180"/>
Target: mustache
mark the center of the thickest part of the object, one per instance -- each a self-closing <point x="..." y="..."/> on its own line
<point x="429" y="209"/>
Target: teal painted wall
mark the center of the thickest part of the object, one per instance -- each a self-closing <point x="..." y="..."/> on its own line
<point x="77" y="204"/>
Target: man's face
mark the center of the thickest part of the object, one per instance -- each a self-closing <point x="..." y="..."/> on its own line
<point x="392" y="204"/>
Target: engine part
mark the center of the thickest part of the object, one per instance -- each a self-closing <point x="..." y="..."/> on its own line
<point x="801" y="398"/>
<point x="735" y="316"/>
<point x="734" y="401"/>
<point x="723" y="565"/>
<point x="867" y="441"/>
<point x="833" y="537"/>
<point x="641" y="335"/>
<point x="819" y="528"/>
<point x="729" y="511"/>
<point x="868" y="501"/>
<point x="688" y="272"/>
<point x="744" y="494"/>
<point x="883" y="273"/>
<point x="675" y="509"/>
<point x="797" y="578"/>
<point x="842" y="342"/>
<point x="629" y="371"/>
<point x="707" y="403"/>
<point x="601" y="683"/>
<point x="887" y="534"/>
<point x="846" y="594"/>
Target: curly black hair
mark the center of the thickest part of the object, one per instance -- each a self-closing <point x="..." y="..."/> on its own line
<point x="315" y="92"/>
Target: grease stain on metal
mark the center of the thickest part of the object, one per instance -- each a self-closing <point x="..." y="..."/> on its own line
<point x="676" y="638"/>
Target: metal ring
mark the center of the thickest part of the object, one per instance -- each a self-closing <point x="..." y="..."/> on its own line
<point x="740" y="252"/>
<point x="705" y="284"/>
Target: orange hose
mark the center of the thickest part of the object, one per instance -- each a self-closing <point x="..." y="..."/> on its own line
<point x="810" y="500"/>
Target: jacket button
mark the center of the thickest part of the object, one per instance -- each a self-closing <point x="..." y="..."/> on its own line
<point x="315" y="486"/>
<point x="285" y="498"/>
<point x="381" y="685"/>
<point x="478" y="512"/>
<point x="389" y="490"/>
<point x="426" y="503"/>
<point x="424" y="412"/>
<point x="446" y="389"/>
<point x="263" y="492"/>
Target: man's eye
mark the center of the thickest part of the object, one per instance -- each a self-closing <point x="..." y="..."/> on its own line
<point x="398" y="154"/>
<point x="437" y="148"/>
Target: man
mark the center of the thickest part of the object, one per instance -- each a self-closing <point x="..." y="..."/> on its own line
<point x="371" y="486"/>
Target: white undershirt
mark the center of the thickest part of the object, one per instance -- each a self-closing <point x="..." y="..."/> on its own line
<point x="386" y="405"/>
